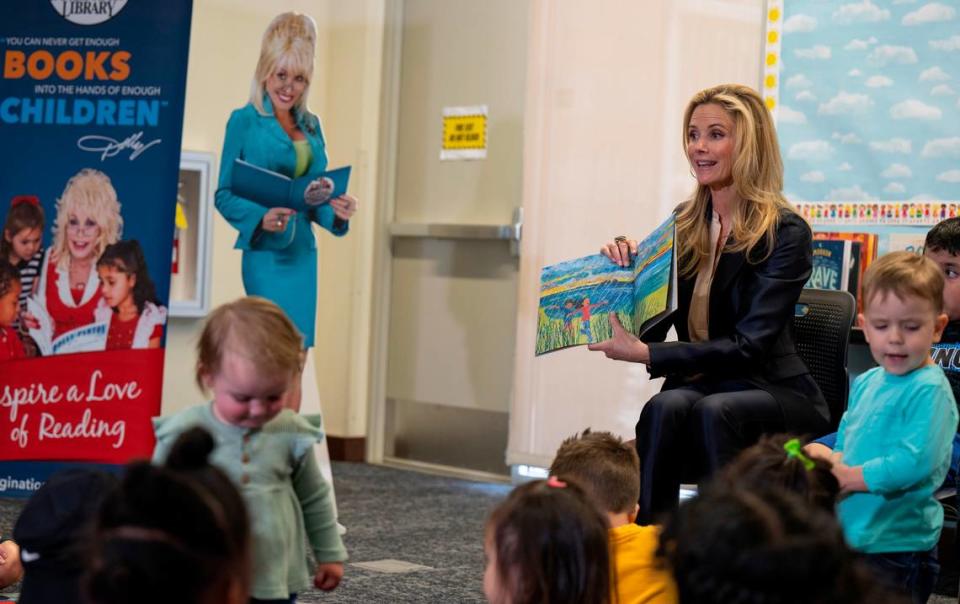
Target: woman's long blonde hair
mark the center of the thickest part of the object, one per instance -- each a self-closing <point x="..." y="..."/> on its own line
<point x="91" y="192"/>
<point x="757" y="177"/>
<point x="290" y="42"/>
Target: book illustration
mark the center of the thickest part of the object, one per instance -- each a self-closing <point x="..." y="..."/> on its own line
<point x="868" y="252"/>
<point x="910" y="242"/>
<point x="86" y="338"/>
<point x="273" y="190"/>
<point x="577" y="296"/>
<point x="835" y="265"/>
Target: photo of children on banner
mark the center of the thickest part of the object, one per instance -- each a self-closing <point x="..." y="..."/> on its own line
<point x="10" y="345"/>
<point x="70" y="310"/>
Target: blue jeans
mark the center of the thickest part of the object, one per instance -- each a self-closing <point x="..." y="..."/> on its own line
<point x="909" y="573"/>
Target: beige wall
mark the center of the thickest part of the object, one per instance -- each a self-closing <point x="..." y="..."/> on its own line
<point x="224" y="46"/>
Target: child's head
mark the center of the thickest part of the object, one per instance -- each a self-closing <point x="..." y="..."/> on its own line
<point x="902" y="310"/>
<point x="123" y="275"/>
<point x="183" y="523"/>
<point x="248" y="355"/>
<point x="778" y="461"/>
<point x="23" y="230"/>
<point x="88" y="218"/>
<point x="763" y="546"/>
<point x="546" y="543"/>
<point x="943" y="247"/>
<point x="9" y="293"/>
<point x="605" y="466"/>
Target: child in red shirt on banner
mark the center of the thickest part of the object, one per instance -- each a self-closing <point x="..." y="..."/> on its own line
<point x="129" y="303"/>
<point x="10" y="345"/>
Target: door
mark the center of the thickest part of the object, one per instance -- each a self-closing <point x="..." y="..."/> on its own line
<point x="452" y="268"/>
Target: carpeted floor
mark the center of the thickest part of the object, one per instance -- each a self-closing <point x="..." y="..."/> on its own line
<point x="416" y="518"/>
<point x="395" y="514"/>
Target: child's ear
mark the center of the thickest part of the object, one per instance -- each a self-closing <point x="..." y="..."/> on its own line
<point x="7" y="235"/>
<point x="133" y="279"/>
<point x="632" y="516"/>
<point x="939" y="326"/>
<point x="860" y="322"/>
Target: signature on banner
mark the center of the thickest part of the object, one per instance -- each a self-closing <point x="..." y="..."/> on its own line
<point x="109" y="147"/>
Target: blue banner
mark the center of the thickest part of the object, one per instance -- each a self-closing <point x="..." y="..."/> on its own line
<point x="91" y="118"/>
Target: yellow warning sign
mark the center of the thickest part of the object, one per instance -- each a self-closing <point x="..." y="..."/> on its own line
<point x="465" y="131"/>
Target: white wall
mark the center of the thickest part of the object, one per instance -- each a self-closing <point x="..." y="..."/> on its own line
<point x="607" y="86"/>
<point x="224" y="46"/>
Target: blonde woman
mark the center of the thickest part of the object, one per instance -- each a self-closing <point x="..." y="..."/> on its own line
<point x="276" y="131"/>
<point x="88" y="220"/>
<point x="743" y="255"/>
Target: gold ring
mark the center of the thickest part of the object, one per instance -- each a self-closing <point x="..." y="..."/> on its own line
<point x="620" y="239"/>
<point x="279" y="222"/>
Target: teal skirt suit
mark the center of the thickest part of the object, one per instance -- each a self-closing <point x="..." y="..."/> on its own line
<point x="281" y="267"/>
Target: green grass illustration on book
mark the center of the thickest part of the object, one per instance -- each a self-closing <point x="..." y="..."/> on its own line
<point x="274" y="190"/>
<point x="577" y="296"/>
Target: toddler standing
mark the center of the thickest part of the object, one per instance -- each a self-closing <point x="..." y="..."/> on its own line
<point x="894" y="442"/>
<point x="248" y="356"/>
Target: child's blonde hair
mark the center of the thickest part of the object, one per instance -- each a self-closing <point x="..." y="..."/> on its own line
<point x="290" y="42"/>
<point x="904" y="274"/>
<point x="607" y="467"/>
<point x="253" y="327"/>
<point x="88" y="190"/>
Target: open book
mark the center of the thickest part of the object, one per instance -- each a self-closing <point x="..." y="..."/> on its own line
<point x="577" y="296"/>
<point x="274" y="190"/>
<point x="85" y="338"/>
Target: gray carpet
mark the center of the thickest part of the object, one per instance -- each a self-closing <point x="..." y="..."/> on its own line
<point x="401" y="515"/>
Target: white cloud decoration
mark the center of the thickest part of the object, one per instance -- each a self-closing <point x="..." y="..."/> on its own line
<point x="787" y="115"/>
<point x="814" y="176"/>
<point x="942" y="147"/>
<point x="854" y="193"/>
<point x="799" y="81"/>
<point x="951" y="176"/>
<point x="845" y="167"/>
<point x="815" y="52"/>
<point x="912" y="109"/>
<point x="929" y="13"/>
<point x="897" y="171"/>
<point x="892" y="55"/>
<point x="799" y="23"/>
<point x="895" y="187"/>
<point x="854" y="73"/>
<point x="878" y="81"/>
<point x="894" y="145"/>
<point x="845" y="102"/>
<point x="811" y="150"/>
<point x="934" y="74"/>
<point x="860" y="12"/>
<point x="942" y="90"/>
<point x="846" y="138"/>
<point x="858" y="44"/>
<point x="950" y="44"/>
<point x="805" y="96"/>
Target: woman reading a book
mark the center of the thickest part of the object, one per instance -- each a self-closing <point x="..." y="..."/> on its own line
<point x="743" y="256"/>
<point x="276" y="131"/>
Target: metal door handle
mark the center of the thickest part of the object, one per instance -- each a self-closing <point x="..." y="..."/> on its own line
<point x="502" y="232"/>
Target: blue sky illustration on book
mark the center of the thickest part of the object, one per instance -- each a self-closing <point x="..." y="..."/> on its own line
<point x="577" y="295"/>
<point x="869" y="106"/>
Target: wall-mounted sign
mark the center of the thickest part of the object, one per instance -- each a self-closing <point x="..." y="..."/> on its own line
<point x="464" y="133"/>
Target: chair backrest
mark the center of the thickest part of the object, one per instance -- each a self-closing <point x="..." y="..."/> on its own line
<point x="821" y="332"/>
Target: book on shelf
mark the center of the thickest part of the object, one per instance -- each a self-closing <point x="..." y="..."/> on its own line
<point x="868" y="253"/>
<point x="835" y="265"/>
<point x="577" y="296"/>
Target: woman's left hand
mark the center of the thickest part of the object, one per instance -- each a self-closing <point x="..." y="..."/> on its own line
<point x="344" y="206"/>
<point x="623" y="346"/>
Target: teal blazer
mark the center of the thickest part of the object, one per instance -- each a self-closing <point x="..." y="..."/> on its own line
<point x="281" y="267"/>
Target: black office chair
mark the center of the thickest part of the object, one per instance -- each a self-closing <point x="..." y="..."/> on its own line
<point x="821" y="332"/>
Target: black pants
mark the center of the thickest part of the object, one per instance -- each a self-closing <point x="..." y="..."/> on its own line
<point x="689" y="433"/>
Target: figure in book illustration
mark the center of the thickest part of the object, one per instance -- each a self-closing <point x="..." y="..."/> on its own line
<point x="577" y="296"/>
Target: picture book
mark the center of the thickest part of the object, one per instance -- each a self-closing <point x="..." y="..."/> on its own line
<point x="272" y="189"/>
<point x="910" y="242"/>
<point x="85" y="338"/>
<point x="835" y="265"/>
<point x="868" y="252"/>
<point x="577" y="296"/>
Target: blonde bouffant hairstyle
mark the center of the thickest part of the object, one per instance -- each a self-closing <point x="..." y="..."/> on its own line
<point x="254" y="328"/>
<point x="289" y="42"/>
<point x="91" y="192"/>
<point x="757" y="177"/>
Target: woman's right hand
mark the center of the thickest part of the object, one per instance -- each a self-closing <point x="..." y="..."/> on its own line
<point x="620" y="250"/>
<point x="276" y="219"/>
